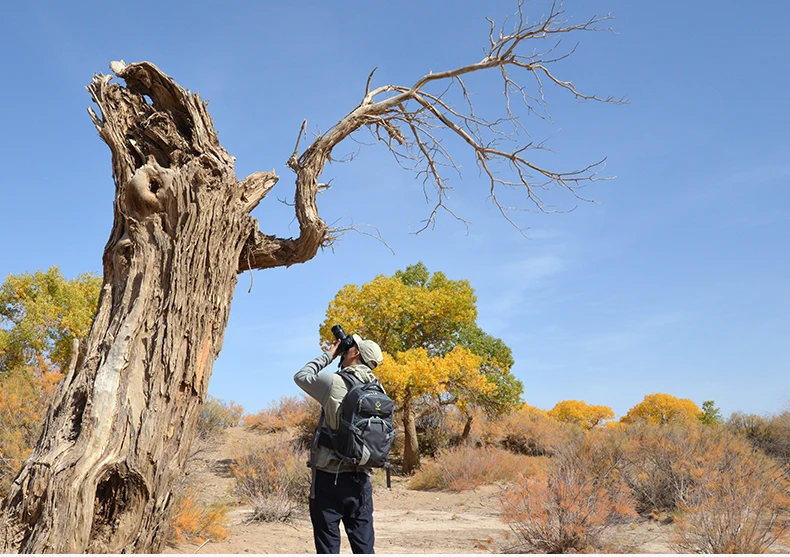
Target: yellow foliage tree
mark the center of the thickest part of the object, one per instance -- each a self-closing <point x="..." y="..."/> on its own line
<point x="404" y="311"/>
<point x="40" y="315"/>
<point x="663" y="409"/>
<point x="412" y="374"/>
<point x="421" y="322"/>
<point x="579" y="412"/>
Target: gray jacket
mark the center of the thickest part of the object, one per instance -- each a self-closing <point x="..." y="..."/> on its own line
<point x="329" y="389"/>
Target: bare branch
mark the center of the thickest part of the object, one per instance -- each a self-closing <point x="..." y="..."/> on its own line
<point x="370" y="78"/>
<point x="337" y="232"/>
<point x="293" y="160"/>
<point x="410" y="121"/>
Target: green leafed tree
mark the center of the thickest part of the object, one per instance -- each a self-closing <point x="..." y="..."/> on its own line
<point x="496" y="363"/>
<point x="711" y="415"/>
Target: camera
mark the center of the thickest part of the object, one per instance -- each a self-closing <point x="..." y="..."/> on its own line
<point x="346" y="341"/>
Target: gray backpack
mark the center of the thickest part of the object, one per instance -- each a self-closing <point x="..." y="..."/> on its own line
<point x="366" y="431"/>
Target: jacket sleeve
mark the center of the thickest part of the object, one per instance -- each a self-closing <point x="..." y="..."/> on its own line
<point x="316" y="384"/>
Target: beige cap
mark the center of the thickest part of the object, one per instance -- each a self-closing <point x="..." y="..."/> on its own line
<point x="369" y="351"/>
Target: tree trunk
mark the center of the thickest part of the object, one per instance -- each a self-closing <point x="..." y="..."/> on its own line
<point x="118" y="434"/>
<point x="467" y="429"/>
<point x="411" y="448"/>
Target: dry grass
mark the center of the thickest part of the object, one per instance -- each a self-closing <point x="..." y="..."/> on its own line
<point x="462" y="468"/>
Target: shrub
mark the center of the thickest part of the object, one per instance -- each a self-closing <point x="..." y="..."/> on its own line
<point x="667" y="466"/>
<point x="528" y="431"/>
<point x="217" y="415"/>
<point x="660" y="460"/>
<point x="288" y="413"/>
<point x="567" y="509"/>
<point x="737" y="503"/>
<point x="273" y="478"/>
<point x="464" y="467"/>
<point x="769" y="434"/>
<point x="194" y="522"/>
<point x="432" y="434"/>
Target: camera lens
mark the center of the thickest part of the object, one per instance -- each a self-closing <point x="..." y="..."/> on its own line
<point x="339" y="333"/>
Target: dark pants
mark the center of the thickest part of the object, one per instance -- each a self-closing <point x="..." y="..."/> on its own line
<point x="347" y="497"/>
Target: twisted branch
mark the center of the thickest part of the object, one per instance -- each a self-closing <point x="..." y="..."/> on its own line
<point x="410" y="121"/>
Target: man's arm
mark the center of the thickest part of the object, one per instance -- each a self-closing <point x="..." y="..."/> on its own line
<point x="310" y="379"/>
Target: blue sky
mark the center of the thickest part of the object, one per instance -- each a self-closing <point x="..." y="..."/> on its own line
<point x="675" y="280"/>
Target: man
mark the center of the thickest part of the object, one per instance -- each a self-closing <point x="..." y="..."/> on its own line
<point x="339" y="491"/>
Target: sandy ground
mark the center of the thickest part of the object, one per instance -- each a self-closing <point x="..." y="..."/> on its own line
<point x="406" y="521"/>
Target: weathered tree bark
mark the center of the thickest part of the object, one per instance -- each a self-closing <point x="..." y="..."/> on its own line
<point x="120" y="429"/>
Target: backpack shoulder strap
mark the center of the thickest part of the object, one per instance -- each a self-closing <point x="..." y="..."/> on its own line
<point x="355" y="389"/>
<point x="349" y="378"/>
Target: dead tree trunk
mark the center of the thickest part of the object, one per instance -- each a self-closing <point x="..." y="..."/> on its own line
<point x="120" y="429"/>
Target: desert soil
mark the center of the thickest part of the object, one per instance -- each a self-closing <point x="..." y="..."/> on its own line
<point x="406" y="521"/>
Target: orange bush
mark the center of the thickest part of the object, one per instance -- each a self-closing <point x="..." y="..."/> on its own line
<point x="770" y="434"/>
<point x="666" y="462"/>
<point x="464" y="467"/>
<point x="581" y="494"/>
<point x="737" y="503"/>
<point x="196" y="523"/>
<point x="25" y="395"/>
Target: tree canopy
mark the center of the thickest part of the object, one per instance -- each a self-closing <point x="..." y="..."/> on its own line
<point x="711" y="415"/>
<point x="663" y="409"/>
<point x="579" y="412"/>
<point x="410" y="309"/>
<point x="40" y="315"/>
